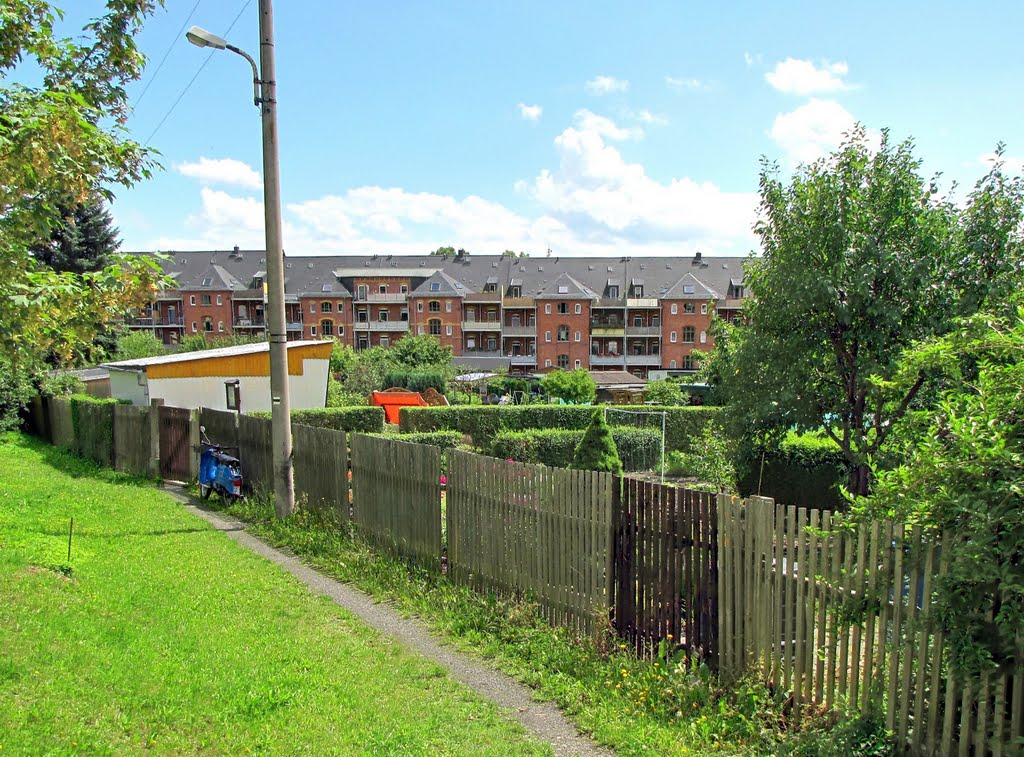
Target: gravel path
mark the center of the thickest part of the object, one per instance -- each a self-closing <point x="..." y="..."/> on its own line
<point x="542" y="719"/>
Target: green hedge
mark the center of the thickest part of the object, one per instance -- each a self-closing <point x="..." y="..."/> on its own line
<point x="683" y="425"/>
<point x="804" y="470"/>
<point x="639" y="449"/>
<point x="365" y="419"/>
<point x="92" y="419"/>
<point x="443" y="439"/>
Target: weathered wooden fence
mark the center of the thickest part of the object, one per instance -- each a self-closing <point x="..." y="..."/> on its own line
<point x="221" y="426"/>
<point x="396" y="496"/>
<point x="666" y="567"/>
<point x="59" y="415"/>
<point x="93" y="425"/>
<point x="255" y="450"/>
<point x="543" y="532"/>
<point x="133" y="441"/>
<point x="847" y="616"/>
<point x="321" y="468"/>
<point x="176" y="437"/>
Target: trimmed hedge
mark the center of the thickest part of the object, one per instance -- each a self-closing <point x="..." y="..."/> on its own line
<point x="639" y="448"/>
<point x="683" y="425"/>
<point x="92" y="419"/>
<point x="366" y="419"/>
<point x="443" y="439"/>
<point x="804" y="470"/>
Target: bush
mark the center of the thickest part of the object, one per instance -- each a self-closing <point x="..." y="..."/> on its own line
<point x="415" y="381"/>
<point x="443" y="439"/>
<point x="338" y="397"/>
<point x="804" y="469"/>
<point x="639" y="449"/>
<point x="665" y="392"/>
<point x="572" y="386"/>
<point x="597" y="450"/>
<point x="364" y="419"/>
<point x="711" y="463"/>
<point x="683" y="425"/>
<point x="92" y="419"/>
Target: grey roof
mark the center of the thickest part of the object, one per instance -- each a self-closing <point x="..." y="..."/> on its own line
<point x="689" y="287"/>
<point x="565" y="287"/>
<point x="594" y="274"/>
<point x="440" y="284"/>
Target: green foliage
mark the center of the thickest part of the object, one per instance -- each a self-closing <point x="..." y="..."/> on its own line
<point x="572" y="386"/>
<point x="83" y="238"/>
<point x="338" y="397"/>
<point x="61" y="384"/>
<point x="807" y="470"/>
<point x="199" y="342"/>
<point x="136" y="344"/>
<point x="862" y="736"/>
<point x="861" y="257"/>
<point x="16" y="391"/>
<point x="343" y="358"/>
<point x="961" y="476"/>
<point x="596" y="450"/>
<point x="442" y="439"/>
<point x="639" y="449"/>
<point x="92" y="419"/>
<point x="415" y="381"/>
<point x="710" y="462"/>
<point x="664" y="392"/>
<point x="444" y="252"/>
<point x="365" y="419"/>
<point x="420" y="352"/>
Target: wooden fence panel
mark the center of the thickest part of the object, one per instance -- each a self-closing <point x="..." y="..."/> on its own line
<point x="396" y="496"/>
<point x="132" y="439"/>
<point x="255" y="451"/>
<point x="221" y="427"/>
<point x="61" y="428"/>
<point x="94" y="431"/>
<point x="542" y="532"/>
<point x="321" y="469"/>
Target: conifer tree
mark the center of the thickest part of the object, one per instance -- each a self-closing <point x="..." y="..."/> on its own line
<point x="597" y="450"/>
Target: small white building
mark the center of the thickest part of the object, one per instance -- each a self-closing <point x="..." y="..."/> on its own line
<point x="230" y="378"/>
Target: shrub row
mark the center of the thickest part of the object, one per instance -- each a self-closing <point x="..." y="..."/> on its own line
<point x="804" y="470"/>
<point x="683" y="425"/>
<point x="443" y="439"/>
<point x="639" y="449"/>
<point x="366" y="419"/>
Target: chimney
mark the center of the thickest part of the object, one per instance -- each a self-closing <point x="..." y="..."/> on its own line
<point x="236" y="248"/>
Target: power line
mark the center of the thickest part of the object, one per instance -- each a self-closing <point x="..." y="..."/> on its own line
<point x="192" y="80"/>
<point x="163" y="60"/>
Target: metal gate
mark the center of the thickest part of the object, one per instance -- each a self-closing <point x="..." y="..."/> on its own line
<point x="175" y="453"/>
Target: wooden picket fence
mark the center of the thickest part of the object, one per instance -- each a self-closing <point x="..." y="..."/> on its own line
<point x="133" y="439"/>
<point x="544" y="533"/>
<point x="255" y="451"/>
<point x="845" y="617"/>
<point x="666" y="568"/>
<point x="396" y="496"/>
<point x="321" y="469"/>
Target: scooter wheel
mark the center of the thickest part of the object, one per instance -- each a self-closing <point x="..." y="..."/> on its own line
<point x="204" y="491"/>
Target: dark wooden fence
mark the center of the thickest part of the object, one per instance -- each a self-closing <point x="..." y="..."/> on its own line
<point x="133" y="444"/>
<point x="396" y="496"/>
<point x="542" y="532"/>
<point x="176" y="451"/>
<point x="321" y="469"/>
<point x="255" y="450"/>
<point x="221" y="426"/>
<point x="59" y="415"/>
<point x="666" y="568"/>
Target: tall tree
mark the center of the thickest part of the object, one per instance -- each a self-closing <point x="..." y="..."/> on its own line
<point x="83" y="238"/>
<point x="861" y="257"/>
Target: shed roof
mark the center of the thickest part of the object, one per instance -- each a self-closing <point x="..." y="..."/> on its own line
<point x="183" y="357"/>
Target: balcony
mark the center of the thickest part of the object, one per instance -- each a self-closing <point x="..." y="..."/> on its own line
<point x="607" y="329"/>
<point x="483" y="297"/>
<point x="523" y="359"/>
<point x="519" y="302"/>
<point x="297" y="326"/>
<point x="480" y="353"/>
<point x="643" y="331"/>
<point x="613" y="360"/>
<point x="472" y="325"/>
<point x="386" y="297"/>
<point x="528" y="330"/>
<point x="642" y="302"/>
<point x="362" y="326"/>
<point x="248" y="323"/>
<point x="148" y="322"/>
<point x="654" y="360"/>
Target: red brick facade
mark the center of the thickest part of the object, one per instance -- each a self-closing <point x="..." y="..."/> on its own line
<point x="564" y="333"/>
<point x="207" y="312"/>
<point x="682" y="331"/>
<point x="438" y="316"/>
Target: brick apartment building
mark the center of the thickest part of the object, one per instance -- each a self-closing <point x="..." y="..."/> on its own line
<point x="635" y="314"/>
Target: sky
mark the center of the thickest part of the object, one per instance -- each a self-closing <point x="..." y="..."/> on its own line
<point x="584" y="128"/>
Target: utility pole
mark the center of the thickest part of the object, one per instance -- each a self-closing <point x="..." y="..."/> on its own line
<point x="284" y="494"/>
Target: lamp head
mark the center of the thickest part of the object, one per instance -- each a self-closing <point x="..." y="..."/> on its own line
<point x="202" y="38"/>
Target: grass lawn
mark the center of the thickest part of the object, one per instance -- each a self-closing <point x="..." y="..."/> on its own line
<point x="162" y="633"/>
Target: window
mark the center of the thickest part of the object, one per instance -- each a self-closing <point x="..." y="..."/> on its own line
<point x="515" y="292"/>
<point x="327" y="288"/>
<point x="192" y="301"/>
<point x="672" y="337"/>
<point x="638" y="291"/>
<point x="207" y="282"/>
<point x="490" y="287"/>
<point x="638" y="321"/>
<point x="547" y="363"/>
<point x="404" y="289"/>
<point x="341" y="331"/>
<point x="563" y="333"/>
<point x="193" y="327"/>
<point x="547" y="336"/>
<point x="578" y="363"/>
<point x="675" y="308"/>
<point x="219" y="300"/>
<point x="361" y="315"/>
<point x="492" y="344"/>
<point x="325" y="307"/>
<point x="257" y="282"/>
<point x="547" y="307"/>
<point x="385" y="341"/>
<point x="595" y="348"/>
<point x="220" y="326"/>
<point x="613" y="293"/>
<point x="689" y="308"/>
<point x="435" y="326"/>
<point x="435" y="286"/>
<point x="205" y="299"/>
<point x="327" y="327"/>
<point x="383" y="289"/>
<point x="419" y="330"/>
<point x="361" y="291"/>
<point x="688" y="289"/>
<point x="434" y="306"/>
<point x="703" y="337"/>
<point x="233" y="395"/>
<point x="382" y="315"/>
<point x="688" y="334"/>
<point x="579" y="336"/>
<point x="470" y="314"/>
<point x="704" y="309"/>
<point x="207" y="323"/>
<point x="688" y="364"/>
<point x="419" y="306"/>
<point x="312" y="330"/>
<point x="613" y="348"/>
<point x="471" y="343"/>
<point x="312" y="307"/>
<point x="563" y="361"/>
<point x="655" y="321"/>
<point x="363" y="342"/>
<point x="563" y="307"/>
<point x="448" y="306"/>
<point x="447" y="330"/>
<point x="404" y="315"/>
<point x="672" y="364"/>
<point x="492" y="316"/>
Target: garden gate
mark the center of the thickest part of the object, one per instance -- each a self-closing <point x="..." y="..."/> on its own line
<point x="175" y="452"/>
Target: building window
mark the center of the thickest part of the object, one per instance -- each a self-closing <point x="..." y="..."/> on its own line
<point x="688" y="364"/>
<point x="385" y="341"/>
<point x="563" y="308"/>
<point x="419" y="307"/>
<point x="492" y="344"/>
<point x="515" y="292"/>
<point x="579" y="336"/>
<point x="447" y="330"/>
<point x="491" y="287"/>
<point x="361" y="315"/>
<point x="312" y="330"/>
<point x="688" y="334"/>
<point x="675" y="308"/>
<point x="638" y="321"/>
<point x="419" y="330"/>
<point x="220" y="326"/>
<point x="341" y="331"/>
<point x="689" y="308"/>
<point x="579" y="308"/>
<point x="363" y="342"/>
<point x="563" y="333"/>
<point x="613" y="293"/>
<point x="547" y="336"/>
<point x="547" y="307"/>
<point x="435" y="286"/>
<point x="193" y="327"/>
<point x="326" y="307"/>
<point x="361" y="291"/>
<point x="703" y="337"/>
<point x="435" y="326"/>
<point x="404" y="289"/>
<point x="382" y="315"/>
<point x="672" y="337"/>
<point x="638" y="291"/>
<point x="219" y="300"/>
<point x="672" y="364"/>
<point x="563" y="361"/>
<point x="192" y="299"/>
<point x="312" y="307"/>
<point x="404" y="315"/>
<point x="704" y="308"/>
<point x="383" y="289"/>
<point x="448" y="306"/>
<point x="205" y="299"/>
<point x="547" y="363"/>
<point x="492" y="316"/>
<point x="327" y="327"/>
<point x="579" y="363"/>
<point x="470" y="314"/>
<point x="207" y="324"/>
<point x="434" y="306"/>
<point x="233" y="399"/>
<point x="655" y="320"/>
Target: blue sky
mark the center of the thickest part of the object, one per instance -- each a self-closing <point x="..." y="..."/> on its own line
<point x="586" y="128"/>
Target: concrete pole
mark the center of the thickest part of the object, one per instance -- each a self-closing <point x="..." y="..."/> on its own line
<point x="284" y="496"/>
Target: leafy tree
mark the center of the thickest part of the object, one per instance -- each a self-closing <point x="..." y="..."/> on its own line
<point x="444" y="252"/>
<point x="136" y="344"/>
<point x="597" y="450"/>
<point x="198" y="342"/>
<point x="420" y="351"/>
<point x="572" y="386"/>
<point x="664" y="392"/>
<point x="343" y="358"/>
<point x="961" y="474"/>
<point x="860" y="259"/>
<point x="83" y="238"/>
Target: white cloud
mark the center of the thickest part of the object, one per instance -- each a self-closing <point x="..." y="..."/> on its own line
<point x="221" y="171"/>
<point x="812" y="130"/>
<point x="1011" y="165"/>
<point x="530" y="112"/>
<point x="602" y="85"/>
<point x="684" y="84"/>
<point x="605" y="127"/>
<point x="801" y="77"/>
<point x="646" y="117"/>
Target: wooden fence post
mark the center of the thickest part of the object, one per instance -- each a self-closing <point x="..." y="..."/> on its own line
<point x="154" y="437"/>
<point x="194" y="440"/>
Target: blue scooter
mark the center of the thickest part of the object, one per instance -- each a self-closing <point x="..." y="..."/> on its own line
<point x="218" y="471"/>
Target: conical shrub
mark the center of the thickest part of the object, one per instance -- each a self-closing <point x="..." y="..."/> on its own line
<point x="597" y="450"/>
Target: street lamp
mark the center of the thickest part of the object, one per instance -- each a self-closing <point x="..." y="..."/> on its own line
<point x="265" y="98"/>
